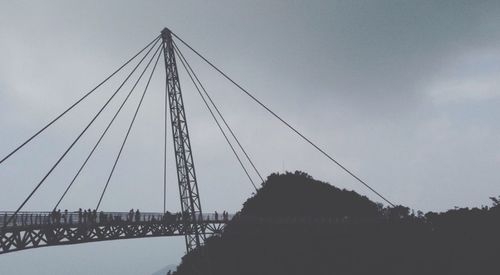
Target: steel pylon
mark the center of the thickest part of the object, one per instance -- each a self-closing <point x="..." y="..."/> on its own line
<point x="188" y="186"/>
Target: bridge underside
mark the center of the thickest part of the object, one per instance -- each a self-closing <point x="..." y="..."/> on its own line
<point x="34" y="236"/>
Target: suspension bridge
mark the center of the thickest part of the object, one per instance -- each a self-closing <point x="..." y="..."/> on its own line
<point x="21" y="230"/>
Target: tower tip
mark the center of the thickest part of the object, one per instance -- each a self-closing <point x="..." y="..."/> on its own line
<point x="165" y="32"/>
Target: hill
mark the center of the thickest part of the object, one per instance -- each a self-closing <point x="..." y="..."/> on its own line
<point x="297" y="225"/>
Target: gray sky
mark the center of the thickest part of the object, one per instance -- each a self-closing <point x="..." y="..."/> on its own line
<point x="405" y="93"/>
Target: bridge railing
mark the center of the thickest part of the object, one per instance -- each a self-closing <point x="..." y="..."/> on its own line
<point x="8" y="219"/>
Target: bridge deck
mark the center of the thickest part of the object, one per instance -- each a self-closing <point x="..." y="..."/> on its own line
<point x="38" y="229"/>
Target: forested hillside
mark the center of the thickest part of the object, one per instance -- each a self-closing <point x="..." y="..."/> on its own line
<point x="297" y="225"/>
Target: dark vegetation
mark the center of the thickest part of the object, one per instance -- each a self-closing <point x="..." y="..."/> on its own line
<point x="297" y="225"/>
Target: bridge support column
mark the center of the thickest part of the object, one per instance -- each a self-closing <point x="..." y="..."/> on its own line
<point x="188" y="186"/>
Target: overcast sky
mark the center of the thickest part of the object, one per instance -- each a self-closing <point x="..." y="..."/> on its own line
<point x="404" y="93"/>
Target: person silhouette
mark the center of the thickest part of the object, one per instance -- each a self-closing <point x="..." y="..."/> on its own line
<point x="58" y="216"/>
<point x="130" y="215"/>
<point x="52" y="216"/>
<point x="80" y="213"/>
<point x="65" y="216"/>
<point x="137" y="216"/>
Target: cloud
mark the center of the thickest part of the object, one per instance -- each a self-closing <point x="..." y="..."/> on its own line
<point x="472" y="77"/>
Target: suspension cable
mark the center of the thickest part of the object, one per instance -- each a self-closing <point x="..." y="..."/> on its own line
<point x="285" y="122"/>
<point x="77" y="102"/>
<point x="101" y="137"/>
<point x="132" y="122"/>
<point x="216" y="120"/>
<point x="78" y="138"/>
<point x="220" y="114"/>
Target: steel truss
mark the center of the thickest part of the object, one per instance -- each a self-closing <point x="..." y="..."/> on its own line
<point x="186" y="176"/>
<point x="33" y="236"/>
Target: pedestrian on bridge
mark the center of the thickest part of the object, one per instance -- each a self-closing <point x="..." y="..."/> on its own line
<point x="130" y="216"/>
<point x="137" y="216"/>
<point x="80" y="215"/>
<point x="167" y="217"/>
<point x="52" y="215"/>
